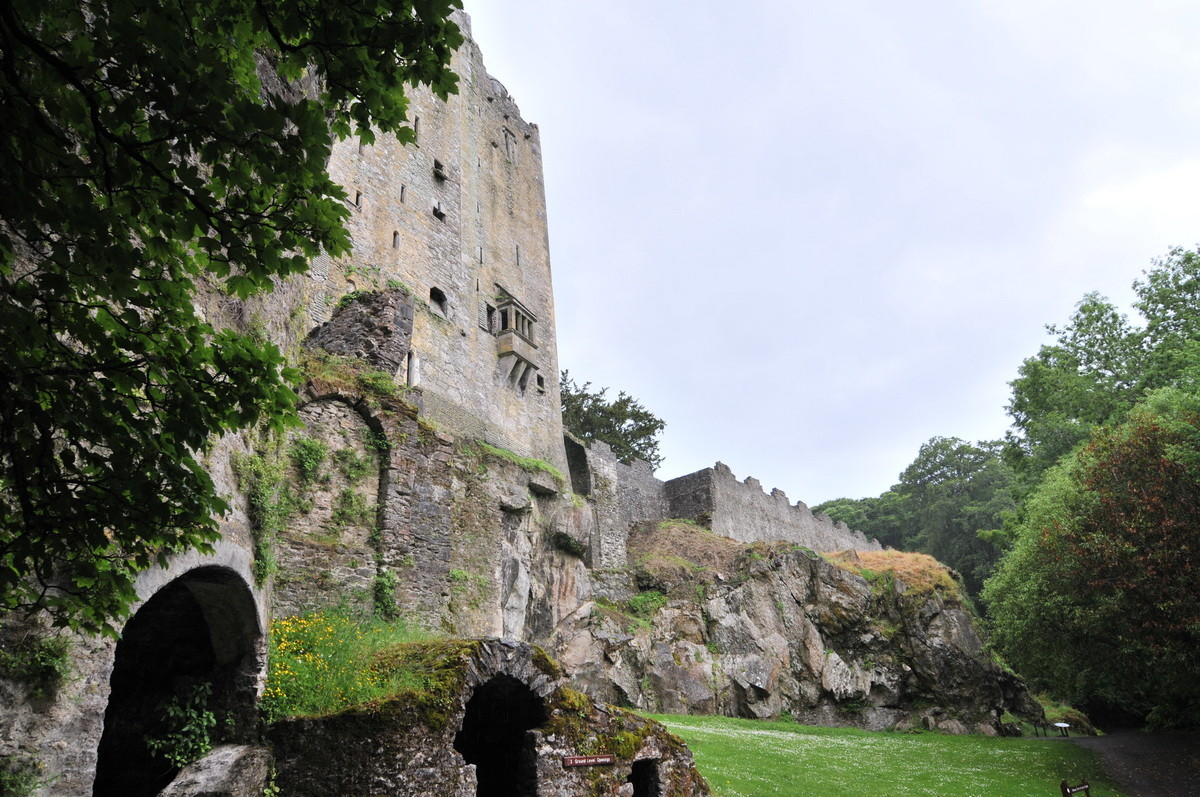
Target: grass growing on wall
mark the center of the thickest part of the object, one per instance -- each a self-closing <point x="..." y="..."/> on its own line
<point x="325" y="662"/>
<point x="528" y="463"/>
<point x="754" y="758"/>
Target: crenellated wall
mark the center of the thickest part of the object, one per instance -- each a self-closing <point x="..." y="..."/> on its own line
<point x="742" y="511"/>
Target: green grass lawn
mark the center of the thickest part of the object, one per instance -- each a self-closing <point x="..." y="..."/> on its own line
<point x="749" y="758"/>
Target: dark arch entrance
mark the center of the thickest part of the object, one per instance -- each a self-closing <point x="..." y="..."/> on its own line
<point x="202" y="628"/>
<point x="644" y="777"/>
<point x="494" y="737"/>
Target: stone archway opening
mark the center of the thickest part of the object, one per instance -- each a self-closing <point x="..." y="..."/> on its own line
<point x="495" y="737"/>
<point x="200" y="631"/>
<point x="644" y="777"/>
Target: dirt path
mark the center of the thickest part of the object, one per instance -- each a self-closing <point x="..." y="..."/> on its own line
<point x="1150" y="764"/>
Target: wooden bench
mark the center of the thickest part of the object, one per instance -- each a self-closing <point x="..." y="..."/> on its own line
<point x="1082" y="788"/>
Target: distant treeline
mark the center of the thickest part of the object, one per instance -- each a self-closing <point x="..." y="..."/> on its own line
<point x="1080" y="530"/>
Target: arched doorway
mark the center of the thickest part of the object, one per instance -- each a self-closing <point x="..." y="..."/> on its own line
<point x="644" y="777"/>
<point x="199" y="632"/>
<point x="494" y="737"/>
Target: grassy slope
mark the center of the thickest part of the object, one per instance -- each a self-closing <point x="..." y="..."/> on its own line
<point x="748" y="758"/>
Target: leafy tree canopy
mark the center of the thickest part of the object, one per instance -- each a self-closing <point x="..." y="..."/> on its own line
<point x="1097" y="599"/>
<point x="1100" y="364"/>
<point x="628" y="427"/>
<point x="948" y="503"/>
<point x="150" y="150"/>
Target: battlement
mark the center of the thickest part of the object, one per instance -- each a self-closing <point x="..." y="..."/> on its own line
<point x="743" y="511"/>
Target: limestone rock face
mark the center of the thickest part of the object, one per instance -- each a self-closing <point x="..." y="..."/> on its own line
<point x="230" y="770"/>
<point x="793" y="634"/>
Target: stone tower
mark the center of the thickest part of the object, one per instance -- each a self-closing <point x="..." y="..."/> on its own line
<point x="459" y="218"/>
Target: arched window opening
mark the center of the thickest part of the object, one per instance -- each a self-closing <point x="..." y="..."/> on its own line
<point x="644" y="777"/>
<point x="412" y="370"/>
<point x="495" y="737"/>
<point x="437" y="300"/>
<point x="197" y="635"/>
<point x="395" y="239"/>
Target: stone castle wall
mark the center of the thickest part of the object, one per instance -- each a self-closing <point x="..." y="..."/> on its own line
<point x="742" y="511"/>
<point x="459" y="217"/>
<point x="623" y="496"/>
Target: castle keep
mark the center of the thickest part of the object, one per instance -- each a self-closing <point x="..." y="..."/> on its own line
<point x="431" y="479"/>
<point x="459" y="218"/>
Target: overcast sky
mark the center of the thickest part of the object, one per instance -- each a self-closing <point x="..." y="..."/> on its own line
<point x="811" y="236"/>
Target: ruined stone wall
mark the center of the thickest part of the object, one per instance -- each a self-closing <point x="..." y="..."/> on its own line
<point x="459" y="217"/>
<point x="621" y="496"/>
<point x="327" y="543"/>
<point x="742" y="511"/>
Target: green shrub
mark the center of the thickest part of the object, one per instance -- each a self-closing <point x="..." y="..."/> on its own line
<point x="645" y="604"/>
<point x="1062" y="712"/>
<point x="20" y="776"/>
<point x="187" y="732"/>
<point x="376" y="441"/>
<point x="353" y="465"/>
<point x="350" y="508"/>
<point x="568" y="544"/>
<point x="380" y="383"/>
<point x="348" y="299"/>
<point x="384" y="594"/>
<point x="308" y="455"/>
<point x="41" y="662"/>
<point x="269" y="504"/>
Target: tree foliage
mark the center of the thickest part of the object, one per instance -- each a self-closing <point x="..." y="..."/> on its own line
<point x="150" y="150"/>
<point x="628" y="427"/>
<point x="948" y="503"/>
<point x="1101" y="365"/>
<point x="1098" y="598"/>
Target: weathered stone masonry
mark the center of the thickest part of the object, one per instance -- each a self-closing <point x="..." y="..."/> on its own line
<point x="744" y="512"/>
<point x="439" y="333"/>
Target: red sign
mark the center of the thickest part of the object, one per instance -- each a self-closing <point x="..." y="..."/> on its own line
<point x="588" y="760"/>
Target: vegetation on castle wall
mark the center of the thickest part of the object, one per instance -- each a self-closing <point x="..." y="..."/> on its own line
<point x="354" y="376"/>
<point x="121" y="217"/>
<point x="269" y="504"/>
<point x="20" y="775"/>
<point x="383" y="593"/>
<point x="526" y="463"/>
<point x="327" y="662"/>
<point x="308" y="456"/>
<point x="41" y="662"/>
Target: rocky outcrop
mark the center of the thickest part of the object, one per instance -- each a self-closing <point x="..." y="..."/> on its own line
<point x="489" y="713"/>
<point x="229" y="770"/>
<point x="766" y="631"/>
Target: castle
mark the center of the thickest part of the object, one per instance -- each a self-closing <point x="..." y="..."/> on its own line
<point x="441" y="486"/>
